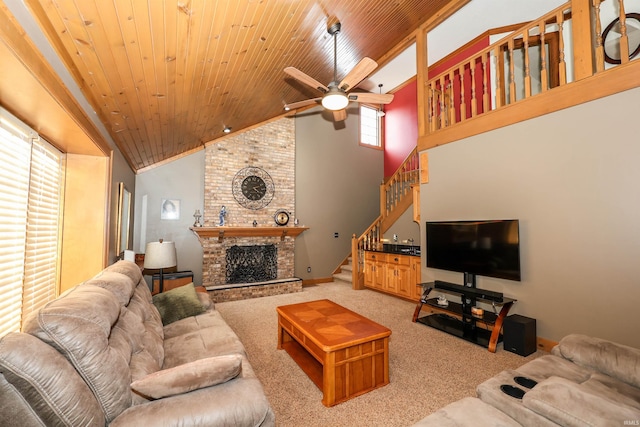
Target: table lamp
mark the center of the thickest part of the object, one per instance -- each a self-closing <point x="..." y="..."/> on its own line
<point x="160" y="255"/>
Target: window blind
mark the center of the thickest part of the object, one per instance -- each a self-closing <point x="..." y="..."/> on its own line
<point x="43" y="215"/>
<point x="30" y="193"/>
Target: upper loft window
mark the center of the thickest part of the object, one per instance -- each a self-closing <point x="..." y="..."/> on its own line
<point x="370" y="127"/>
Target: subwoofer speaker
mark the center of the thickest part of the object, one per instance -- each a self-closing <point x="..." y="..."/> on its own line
<point x="519" y="334"/>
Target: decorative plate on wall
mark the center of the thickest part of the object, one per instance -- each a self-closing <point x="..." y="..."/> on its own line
<point x="253" y="187"/>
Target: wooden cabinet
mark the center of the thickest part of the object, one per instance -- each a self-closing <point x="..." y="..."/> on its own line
<point x="392" y="273"/>
<point x="374" y="270"/>
<point x="398" y="274"/>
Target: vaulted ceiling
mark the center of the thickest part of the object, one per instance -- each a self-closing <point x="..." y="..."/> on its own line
<point x="166" y="77"/>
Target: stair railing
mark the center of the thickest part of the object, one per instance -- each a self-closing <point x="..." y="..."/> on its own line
<point x="392" y="195"/>
<point x="399" y="185"/>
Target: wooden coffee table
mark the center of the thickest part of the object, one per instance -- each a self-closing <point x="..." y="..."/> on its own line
<point x="343" y="353"/>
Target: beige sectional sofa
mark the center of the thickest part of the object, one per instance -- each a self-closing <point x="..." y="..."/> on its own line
<point x="100" y="355"/>
<point x="585" y="381"/>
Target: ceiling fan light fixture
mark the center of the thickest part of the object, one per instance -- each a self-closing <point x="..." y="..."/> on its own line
<point x="335" y="100"/>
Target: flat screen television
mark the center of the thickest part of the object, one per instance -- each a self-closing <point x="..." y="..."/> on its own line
<point x="486" y="248"/>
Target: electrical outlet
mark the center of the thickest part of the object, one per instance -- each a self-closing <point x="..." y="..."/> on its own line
<point x="336" y="235"/>
<point x="308" y="269"/>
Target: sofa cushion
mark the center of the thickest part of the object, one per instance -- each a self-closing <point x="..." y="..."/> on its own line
<point x="40" y="380"/>
<point x="239" y="402"/>
<point x="198" y="337"/>
<point x="125" y="281"/>
<point x="490" y="393"/>
<point x="178" y="303"/>
<point x="85" y="325"/>
<point x="467" y="412"/>
<point x="190" y="376"/>
<point x="569" y="404"/>
<point x="118" y="284"/>
<point x="547" y="366"/>
<point x="616" y="360"/>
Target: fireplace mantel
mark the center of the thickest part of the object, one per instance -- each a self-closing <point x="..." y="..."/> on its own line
<point x="222" y="232"/>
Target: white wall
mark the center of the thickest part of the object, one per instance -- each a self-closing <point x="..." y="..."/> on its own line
<point x="572" y="180"/>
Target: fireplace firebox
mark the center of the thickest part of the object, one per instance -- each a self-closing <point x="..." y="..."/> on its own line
<point x="250" y="264"/>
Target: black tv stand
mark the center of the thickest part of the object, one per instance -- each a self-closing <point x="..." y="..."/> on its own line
<point x="457" y="319"/>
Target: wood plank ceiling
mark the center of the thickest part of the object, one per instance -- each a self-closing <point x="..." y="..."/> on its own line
<point x="166" y="76"/>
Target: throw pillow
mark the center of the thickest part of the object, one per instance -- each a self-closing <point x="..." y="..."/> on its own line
<point x="190" y="376"/>
<point x="178" y="303"/>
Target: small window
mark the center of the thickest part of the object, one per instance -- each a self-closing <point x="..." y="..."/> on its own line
<point x="370" y="127"/>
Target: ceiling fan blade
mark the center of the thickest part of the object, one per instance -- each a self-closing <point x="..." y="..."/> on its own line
<point x="340" y="115"/>
<point x="359" y="72"/>
<point x="300" y="104"/>
<point x="308" y="80"/>
<point x="371" y="98"/>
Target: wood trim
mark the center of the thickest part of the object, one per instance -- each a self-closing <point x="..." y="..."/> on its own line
<point x="610" y="82"/>
<point x="222" y="232"/>
<point x="443" y="14"/>
<point x="169" y="160"/>
<point x="545" y="344"/>
<point x="17" y="41"/>
<point x="316" y="281"/>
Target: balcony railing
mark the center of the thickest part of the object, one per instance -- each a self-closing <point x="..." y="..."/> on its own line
<point x="545" y="54"/>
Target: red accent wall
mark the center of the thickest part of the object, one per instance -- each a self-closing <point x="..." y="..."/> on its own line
<point x="400" y="127"/>
<point x="401" y="119"/>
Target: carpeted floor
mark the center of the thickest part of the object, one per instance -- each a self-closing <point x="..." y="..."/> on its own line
<point x="428" y="368"/>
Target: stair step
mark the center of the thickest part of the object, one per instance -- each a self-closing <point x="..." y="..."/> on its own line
<point x="343" y="277"/>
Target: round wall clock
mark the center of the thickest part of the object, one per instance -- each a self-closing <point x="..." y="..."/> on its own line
<point x="281" y="217"/>
<point x="253" y="188"/>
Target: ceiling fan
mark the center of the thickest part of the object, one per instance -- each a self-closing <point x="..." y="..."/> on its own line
<point x="336" y="94"/>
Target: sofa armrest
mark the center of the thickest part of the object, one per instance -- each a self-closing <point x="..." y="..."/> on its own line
<point x="567" y="404"/>
<point x="239" y="402"/>
<point x="613" y="359"/>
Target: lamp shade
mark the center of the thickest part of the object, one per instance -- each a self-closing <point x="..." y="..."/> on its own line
<point x="160" y="255"/>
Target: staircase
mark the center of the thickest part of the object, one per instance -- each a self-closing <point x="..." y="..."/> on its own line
<point x="344" y="273"/>
<point x="396" y="196"/>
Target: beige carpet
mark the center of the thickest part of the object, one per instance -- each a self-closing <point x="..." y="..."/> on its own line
<point x="428" y="368"/>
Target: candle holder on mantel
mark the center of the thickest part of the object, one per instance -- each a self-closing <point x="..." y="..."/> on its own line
<point x="197" y="216"/>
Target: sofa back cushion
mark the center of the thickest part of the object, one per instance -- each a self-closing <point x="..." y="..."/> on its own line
<point x="613" y="359"/>
<point x="39" y="386"/>
<point x="87" y="325"/>
<point x="125" y="281"/>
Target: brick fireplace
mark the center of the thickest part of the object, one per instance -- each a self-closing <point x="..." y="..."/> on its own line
<point x="272" y="149"/>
